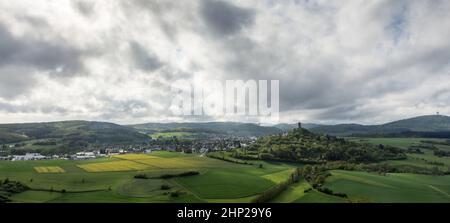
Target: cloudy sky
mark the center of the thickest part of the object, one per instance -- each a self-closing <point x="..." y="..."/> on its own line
<point x="366" y="61"/>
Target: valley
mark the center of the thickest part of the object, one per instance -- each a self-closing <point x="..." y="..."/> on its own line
<point x="157" y="164"/>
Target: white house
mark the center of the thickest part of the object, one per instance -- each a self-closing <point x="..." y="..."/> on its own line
<point x="29" y="156"/>
<point x="84" y="155"/>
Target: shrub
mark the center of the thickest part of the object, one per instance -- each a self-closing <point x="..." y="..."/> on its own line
<point x="184" y="174"/>
<point x="141" y="176"/>
<point x="165" y="187"/>
<point x="4" y="199"/>
<point x="13" y="186"/>
<point x="175" y="194"/>
<point x="189" y="173"/>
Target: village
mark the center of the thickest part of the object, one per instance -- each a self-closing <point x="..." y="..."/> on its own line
<point x="198" y="146"/>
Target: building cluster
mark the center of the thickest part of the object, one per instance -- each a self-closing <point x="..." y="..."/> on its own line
<point x="197" y="146"/>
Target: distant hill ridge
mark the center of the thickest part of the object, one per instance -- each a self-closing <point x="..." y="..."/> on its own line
<point x="230" y="128"/>
<point x="426" y="124"/>
<point x="101" y="132"/>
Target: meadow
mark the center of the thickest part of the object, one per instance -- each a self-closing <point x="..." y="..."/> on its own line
<point x="391" y="187"/>
<point x="112" y="179"/>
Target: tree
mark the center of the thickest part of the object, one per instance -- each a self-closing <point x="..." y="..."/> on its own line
<point x="435" y="170"/>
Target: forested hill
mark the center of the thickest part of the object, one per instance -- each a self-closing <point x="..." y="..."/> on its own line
<point x="228" y="128"/>
<point x="422" y="125"/>
<point x="305" y="146"/>
<point x="70" y="131"/>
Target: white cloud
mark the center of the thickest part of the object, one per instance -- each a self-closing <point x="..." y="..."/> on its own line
<point x="359" y="61"/>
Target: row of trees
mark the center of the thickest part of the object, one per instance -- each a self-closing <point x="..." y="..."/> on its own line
<point x="167" y="176"/>
<point x="320" y="171"/>
<point x="224" y="157"/>
<point x="278" y="189"/>
<point x="441" y="153"/>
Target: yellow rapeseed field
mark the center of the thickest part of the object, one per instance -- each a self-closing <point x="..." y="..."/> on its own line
<point x="134" y="156"/>
<point x="49" y="169"/>
<point x="175" y="163"/>
<point x="113" y="166"/>
<point x="130" y="162"/>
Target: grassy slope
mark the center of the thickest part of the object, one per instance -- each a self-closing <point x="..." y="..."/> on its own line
<point x="217" y="184"/>
<point x="372" y="187"/>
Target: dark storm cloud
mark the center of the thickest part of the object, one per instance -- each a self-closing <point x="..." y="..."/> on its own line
<point x="21" y="57"/>
<point x="305" y="86"/>
<point x="85" y="8"/>
<point x="224" y="18"/>
<point x="335" y="61"/>
<point x="143" y="59"/>
<point x="42" y="55"/>
<point x="15" y="81"/>
<point x="347" y="113"/>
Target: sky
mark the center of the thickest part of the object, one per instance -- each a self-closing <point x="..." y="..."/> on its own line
<point x="360" y="61"/>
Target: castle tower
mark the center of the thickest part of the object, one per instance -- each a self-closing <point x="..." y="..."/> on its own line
<point x="299" y="125"/>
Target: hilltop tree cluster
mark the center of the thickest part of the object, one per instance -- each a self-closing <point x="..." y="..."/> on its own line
<point x="300" y="145"/>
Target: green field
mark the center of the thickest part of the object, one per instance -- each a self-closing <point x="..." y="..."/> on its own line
<point x="112" y="179"/>
<point x="398" y="187"/>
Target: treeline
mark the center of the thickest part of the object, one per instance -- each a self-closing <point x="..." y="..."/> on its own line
<point x="406" y="134"/>
<point x="441" y="153"/>
<point x="45" y="143"/>
<point x="444" y="143"/>
<point x="167" y="176"/>
<point x="222" y="156"/>
<point x="277" y="189"/>
<point x="381" y="168"/>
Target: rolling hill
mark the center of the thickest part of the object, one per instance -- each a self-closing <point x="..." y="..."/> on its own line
<point x="70" y="131"/>
<point x="412" y="126"/>
<point x="288" y="127"/>
<point x="301" y="145"/>
<point x="227" y="128"/>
